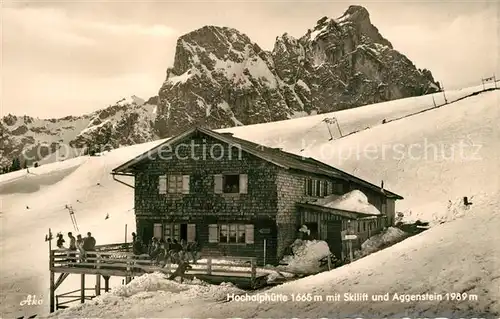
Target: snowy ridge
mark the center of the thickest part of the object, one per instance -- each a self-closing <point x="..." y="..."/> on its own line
<point x="39" y="138"/>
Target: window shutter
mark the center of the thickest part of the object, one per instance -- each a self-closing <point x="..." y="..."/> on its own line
<point x="157" y="231"/>
<point x="185" y="184"/>
<point x="249" y="238"/>
<point x="218" y="184"/>
<point x="191" y="232"/>
<point x="162" y="184"/>
<point x="313" y="188"/>
<point x="213" y="233"/>
<point x="321" y="188"/>
<point x="243" y="183"/>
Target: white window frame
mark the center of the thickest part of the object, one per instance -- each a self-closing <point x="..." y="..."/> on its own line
<point x="219" y="181"/>
<point x="178" y="184"/>
<point x="243" y="231"/>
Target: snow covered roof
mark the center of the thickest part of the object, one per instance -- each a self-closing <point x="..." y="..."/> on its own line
<point x="272" y="155"/>
<point x="354" y="201"/>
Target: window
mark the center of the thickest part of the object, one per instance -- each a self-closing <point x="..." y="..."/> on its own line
<point x="241" y="234"/>
<point x="174" y="184"/>
<point x="180" y="231"/>
<point x="231" y="233"/>
<point x="223" y="234"/>
<point x="338" y="188"/>
<point x="309" y="187"/>
<point x="231" y="184"/>
<point x="316" y="187"/>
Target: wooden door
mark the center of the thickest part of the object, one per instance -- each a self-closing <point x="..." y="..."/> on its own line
<point x="334" y="237"/>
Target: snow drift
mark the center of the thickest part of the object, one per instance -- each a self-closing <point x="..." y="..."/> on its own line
<point x="387" y="237"/>
<point x="306" y="257"/>
<point x="145" y="294"/>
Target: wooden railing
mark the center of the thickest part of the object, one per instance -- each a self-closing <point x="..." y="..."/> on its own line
<point x="122" y="263"/>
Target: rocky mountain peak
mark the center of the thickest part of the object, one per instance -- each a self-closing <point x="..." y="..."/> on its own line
<point x="221" y="78"/>
<point x="198" y="46"/>
<point x="357" y="13"/>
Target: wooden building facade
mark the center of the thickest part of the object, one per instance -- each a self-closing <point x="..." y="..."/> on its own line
<point x="232" y="196"/>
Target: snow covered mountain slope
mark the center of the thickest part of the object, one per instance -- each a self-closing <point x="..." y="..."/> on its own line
<point x="425" y="183"/>
<point x="458" y="257"/>
<point x="28" y="212"/>
<point x="126" y="122"/>
<point x="221" y="78"/>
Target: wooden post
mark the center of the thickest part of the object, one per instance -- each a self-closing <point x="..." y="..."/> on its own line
<point x="351" y="256"/>
<point x="52" y="291"/>
<point x="97" y="285"/>
<point x="125" y="233"/>
<point x="329" y="262"/>
<point x="51" y="263"/>
<point x="209" y="265"/>
<point x="106" y="283"/>
<point x="495" y="81"/>
<point x="433" y="101"/>
<point x="82" y="291"/>
<point x="253" y="274"/>
<point x="265" y="245"/>
<point x="482" y="81"/>
<point x="129" y="269"/>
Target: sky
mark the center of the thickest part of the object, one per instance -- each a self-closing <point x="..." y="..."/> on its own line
<point x="73" y="57"/>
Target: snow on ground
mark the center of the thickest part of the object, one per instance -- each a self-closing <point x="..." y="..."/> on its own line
<point x="434" y="263"/>
<point x="295" y="134"/>
<point x="306" y="256"/>
<point x="354" y="201"/>
<point x="148" y="293"/>
<point x="427" y="182"/>
<point x="387" y="237"/>
<point x="456" y="257"/>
